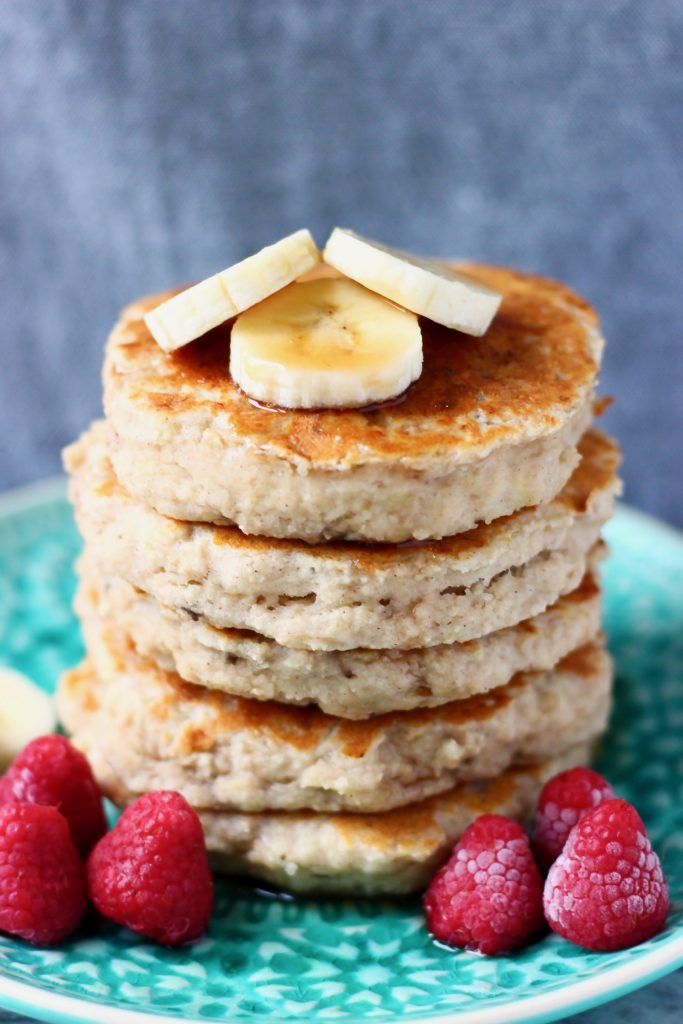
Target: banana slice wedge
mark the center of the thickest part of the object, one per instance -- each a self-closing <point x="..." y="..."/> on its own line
<point x="325" y="343"/>
<point x="26" y="712"/>
<point x="429" y="288"/>
<point x="210" y="303"/>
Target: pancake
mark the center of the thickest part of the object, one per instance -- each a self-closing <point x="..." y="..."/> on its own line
<point x="358" y="854"/>
<point x="490" y="427"/>
<point x="158" y="732"/>
<point x="350" y="684"/>
<point x="341" y="596"/>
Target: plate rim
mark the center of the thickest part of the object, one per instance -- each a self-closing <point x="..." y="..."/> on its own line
<point x="23" y="498"/>
<point x="613" y="983"/>
<point x="609" y="985"/>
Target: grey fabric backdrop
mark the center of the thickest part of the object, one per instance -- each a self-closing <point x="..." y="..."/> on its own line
<point x="149" y="142"/>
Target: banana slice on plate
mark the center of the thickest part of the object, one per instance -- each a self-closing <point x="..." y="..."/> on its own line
<point x="210" y="303"/>
<point x="325" y="343"/>
<point x="430" y="288"/>
<point x="26" y="712"/>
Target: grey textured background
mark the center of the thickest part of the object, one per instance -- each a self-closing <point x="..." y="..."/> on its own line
<point x="150" y="142"/>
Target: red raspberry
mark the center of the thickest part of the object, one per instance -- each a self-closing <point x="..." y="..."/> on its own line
<point x="565" y="800"/>
<point x="606" y="890"/>
<point x="52" y="772"/>
<point x="151" y="871"/>
<point x="488" y="897"/>
<point x="42" y="881"/>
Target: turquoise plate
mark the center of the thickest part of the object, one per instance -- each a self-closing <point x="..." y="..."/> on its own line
<point x="277" y="959"/>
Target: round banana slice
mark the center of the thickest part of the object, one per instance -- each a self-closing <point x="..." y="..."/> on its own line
<point x="323" y="344"/>
<point x="26" y="712"/>
<point x="429" y="288"/>
<point x="210" y="303"/>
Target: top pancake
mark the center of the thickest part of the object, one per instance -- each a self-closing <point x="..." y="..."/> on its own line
<point x="186" y="440"/>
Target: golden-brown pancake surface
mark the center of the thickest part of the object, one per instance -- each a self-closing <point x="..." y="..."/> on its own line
<point x="183" y="432"/>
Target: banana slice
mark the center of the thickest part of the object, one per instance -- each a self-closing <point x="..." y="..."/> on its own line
<point x="429" y="288"/>
<point x="26" y="712"/>
<point x="210" y="303"/>
<point x="325" y="343"/>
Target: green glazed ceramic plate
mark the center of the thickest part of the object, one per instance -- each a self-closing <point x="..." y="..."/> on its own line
<point x="308" y="960"/>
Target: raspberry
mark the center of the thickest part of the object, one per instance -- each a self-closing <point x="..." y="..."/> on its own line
<point x="52" y="772"/>
<point x="565" y="799"/>
<point x="151" y="872"/>
<point x="42" y="881"/>
<point x="488" y="897"/>
<point x="606" y="890"/>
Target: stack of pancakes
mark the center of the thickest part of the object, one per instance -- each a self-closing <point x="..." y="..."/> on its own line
<point x="342" y="635"/>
